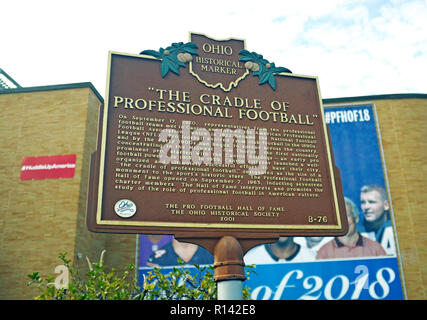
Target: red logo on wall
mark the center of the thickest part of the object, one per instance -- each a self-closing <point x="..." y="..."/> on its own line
<point x="48" y="167"/>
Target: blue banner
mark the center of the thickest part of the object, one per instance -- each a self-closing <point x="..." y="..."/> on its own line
<point x="364" y="279"/>
<point x="361" y="265"/>
<point x="355" y="143"/>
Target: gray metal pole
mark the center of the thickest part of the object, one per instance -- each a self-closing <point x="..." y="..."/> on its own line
<point x="230" y="290"/>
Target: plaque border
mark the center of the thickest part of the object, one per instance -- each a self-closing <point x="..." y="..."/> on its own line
<point x="207" y="226"/>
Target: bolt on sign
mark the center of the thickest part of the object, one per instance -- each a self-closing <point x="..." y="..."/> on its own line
<point x="207" y="139"/>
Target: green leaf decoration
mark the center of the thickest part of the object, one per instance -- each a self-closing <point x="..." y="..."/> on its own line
<point x="264" y="77"/>
<point x="151" y="53"/>
<point x="272" y="81"/>
<point x="281" y="69"/>
<point x="266" y="71"/>
<point x="169" y="56"/>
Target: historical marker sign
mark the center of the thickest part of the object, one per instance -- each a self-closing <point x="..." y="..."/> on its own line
<point x="208" y="139"/>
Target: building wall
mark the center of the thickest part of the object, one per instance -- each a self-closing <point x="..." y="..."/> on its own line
<point x="403" y="126"/>
<point x="41" y="218"/>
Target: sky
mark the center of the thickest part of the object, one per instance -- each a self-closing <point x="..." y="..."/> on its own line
<point x="354" y="47"/>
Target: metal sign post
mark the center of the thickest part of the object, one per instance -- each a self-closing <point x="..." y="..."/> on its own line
<point x="229" y="269"/>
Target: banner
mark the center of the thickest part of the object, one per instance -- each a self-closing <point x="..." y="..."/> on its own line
<point x="48" y="167"/>
<point x="360" y="265"/>
<point x="363" y="264"/>
<point x="352" y="279"/>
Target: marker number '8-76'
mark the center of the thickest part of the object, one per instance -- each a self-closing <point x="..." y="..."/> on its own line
<point x="317" y="219"/>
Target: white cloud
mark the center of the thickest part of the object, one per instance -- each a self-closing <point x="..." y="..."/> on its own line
<point x="360" y="50"/>
<point x="354" y="47"/>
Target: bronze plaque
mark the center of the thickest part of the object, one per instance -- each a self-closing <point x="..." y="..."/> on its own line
<point x="206" y="139"/>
